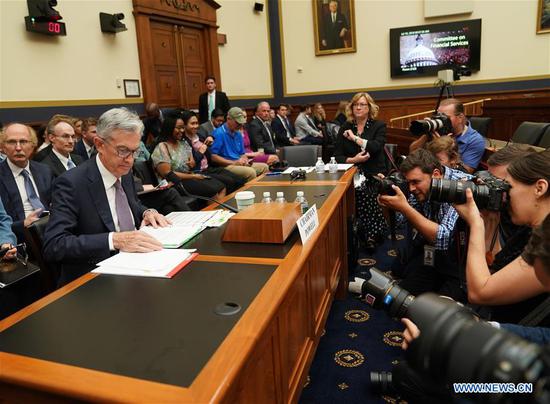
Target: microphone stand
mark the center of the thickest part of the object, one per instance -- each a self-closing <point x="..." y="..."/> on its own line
<point x="173" y="178"/>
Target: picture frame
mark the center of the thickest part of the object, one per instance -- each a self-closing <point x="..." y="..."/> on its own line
<point x="334" y="26"/>
<point x="131" y="88"/>
<point x="543" y="17"/>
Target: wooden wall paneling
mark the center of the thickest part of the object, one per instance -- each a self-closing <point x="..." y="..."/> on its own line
<point x="145" y="52"/>
<point x="295" y="335"/>
<point x="259" y="381"/>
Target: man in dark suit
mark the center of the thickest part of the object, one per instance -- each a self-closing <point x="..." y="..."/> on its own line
<point x="283" y="128"/>
<point x="85" y="147"/>
<point x="335" y="27"/>
<point x="95" y="210"/>
<point x="211" y="100"/>
<point x="60" y="158"/>
<point x="25" y="186"/>
<point x="260" y="132"/>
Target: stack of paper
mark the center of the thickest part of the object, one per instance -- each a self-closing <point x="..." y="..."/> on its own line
<point x="156" y="264"/>
<point x="173" y="236"/>
<point x="341" y="167"/>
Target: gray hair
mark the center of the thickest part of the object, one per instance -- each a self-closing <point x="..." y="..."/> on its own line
<point x="118" y="118"/>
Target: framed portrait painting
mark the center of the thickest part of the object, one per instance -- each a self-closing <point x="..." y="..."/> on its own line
<point x="334" y="24"/>
<point x="543" y="17"/>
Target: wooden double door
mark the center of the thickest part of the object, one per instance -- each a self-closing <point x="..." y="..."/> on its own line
<point x="179" y="63"/>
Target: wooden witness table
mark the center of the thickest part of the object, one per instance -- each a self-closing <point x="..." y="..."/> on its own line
<point x="264" y="356"/>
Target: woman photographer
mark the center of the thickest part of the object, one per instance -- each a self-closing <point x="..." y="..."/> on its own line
<point x="361" y="141"/>
<point x="529" y="204"/>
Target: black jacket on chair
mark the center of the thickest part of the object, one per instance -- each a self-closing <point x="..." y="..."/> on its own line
<point x="376" y="136"/>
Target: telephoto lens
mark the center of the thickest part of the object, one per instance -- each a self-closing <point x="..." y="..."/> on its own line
<point x="395" y="178"/>
<point x="383" y="292"/>
<point x="439" y="123"/>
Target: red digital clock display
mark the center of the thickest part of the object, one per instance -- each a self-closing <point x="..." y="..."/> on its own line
<point x="45" y="27"/>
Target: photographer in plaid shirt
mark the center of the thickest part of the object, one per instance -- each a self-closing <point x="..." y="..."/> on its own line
<point x="432" y="259"/>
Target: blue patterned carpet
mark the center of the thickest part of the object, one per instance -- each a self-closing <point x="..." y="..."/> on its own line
<point x="357" y="340"/>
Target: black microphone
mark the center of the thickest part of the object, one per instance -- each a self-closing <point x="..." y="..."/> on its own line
<point x="173" y="178"/>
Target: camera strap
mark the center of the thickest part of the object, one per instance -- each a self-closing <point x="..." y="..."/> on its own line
<point x="390" y="158"/>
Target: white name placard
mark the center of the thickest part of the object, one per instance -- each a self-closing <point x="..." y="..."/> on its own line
<point x="308" y="223"/>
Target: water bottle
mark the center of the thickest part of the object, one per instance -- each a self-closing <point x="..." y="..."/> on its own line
<point x="319" y="166"/>
<point x="280" y="197"/>
<point x="302" y="200"/>
<point x="333" y="166"/>
<point x="267" y="198"/>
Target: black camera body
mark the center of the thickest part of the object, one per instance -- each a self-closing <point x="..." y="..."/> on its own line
<point x="395" y="178"/>
<point x="438" y="122"/>
<point x="298" y="175"/>
<point x="491" y="193"/>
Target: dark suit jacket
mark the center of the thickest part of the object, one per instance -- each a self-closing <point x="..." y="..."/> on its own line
<point x="11" y="197"/>
<point x="39" y="156"/>
<point x="331" y="31"/>
<point x="56" y="165"/>
<point x="376" y="136"/>
<point x="281" y="138"/>
<point x="80" y="149"/>
<point x="260" y="137"/>
<point x="222" y="102"/>
<point x="76" y="237"/>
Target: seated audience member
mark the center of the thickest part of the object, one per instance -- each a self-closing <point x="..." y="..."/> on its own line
<point x="143" y="153"/>
<point x="257" y="156"/>
<point x="212" y="99"/>
<point x="173" y="153"/>
<point x="320" y="118"/>
<point x="85" y="147"/>
<point x="202" y="155"/>
<point x="529" y="205"/>
<point x="228" y="148"/>
<point x="430" y="262"/>
<point x="283" y="128"/>
<point x="207" y="128"/>
<point x="306" y="131"/>
<point x="471" y="144"/>
<point x="61" y="157"/>
<point x="260" y="132"/>
<point x="361" y="141"/>
<point x="340" y="117"/>
<point x="95" y="211"/>
<point x="45" y="147"/>
<point x="77" y="129"/>
<point x="7" y="237"/>
<point x="445" y="150"/>
<point x="25" y="188"/>
<point x="152" y="124"/>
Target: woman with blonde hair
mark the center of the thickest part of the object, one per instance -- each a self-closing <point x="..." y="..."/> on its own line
<point x="340" y="116"/>
<point x="361" y="141"/>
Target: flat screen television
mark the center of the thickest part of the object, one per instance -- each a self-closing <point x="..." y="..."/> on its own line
<point x="425" y="49"/>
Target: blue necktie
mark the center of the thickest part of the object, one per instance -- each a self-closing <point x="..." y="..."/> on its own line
<point x="31" y="192"/>
<point x="70" y="164"/>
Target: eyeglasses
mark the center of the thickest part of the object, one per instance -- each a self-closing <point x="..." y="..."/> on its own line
<point x="360" y="105"/>
<point x="13" y="143"/>
<point x="66" y="137"/>
<point x="124" y="152"/>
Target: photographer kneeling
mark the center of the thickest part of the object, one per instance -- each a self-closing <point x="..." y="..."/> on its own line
<point x="431" y="260"/>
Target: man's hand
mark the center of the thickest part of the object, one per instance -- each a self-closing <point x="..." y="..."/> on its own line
<point x="294" y="141"/>
<point x="11" y="253"/>
<point x="343" y="32"/>
<point x="411" y="332"/>
<point x="396" y="202"/>
<point x="155" y="219"/>
<point x="33" y="217"/>
<point x="209" y="140"/>
<point x="135" y="241"/>
<point x="243" y="161"/>
<point x="272" y="159"/>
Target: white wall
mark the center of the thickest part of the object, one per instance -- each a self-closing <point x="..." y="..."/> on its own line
<point x="245" y="60"/>
<point x="510" y="47"/>
<point x="83" y="65"/>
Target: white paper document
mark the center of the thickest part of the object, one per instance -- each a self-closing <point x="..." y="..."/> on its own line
<point x="190" y="218"/>
<point x="341" y="167"/>
<point x="173" y="236"/>
<point x="157" y="264"/>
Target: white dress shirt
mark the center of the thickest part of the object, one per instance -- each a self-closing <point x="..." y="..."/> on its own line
<point x="109" y="184"/>
<point x="64" y="160"/>
<point x="20" y="181"/>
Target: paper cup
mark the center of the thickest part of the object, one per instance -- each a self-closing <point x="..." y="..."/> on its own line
<point x="244" y="199"/>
